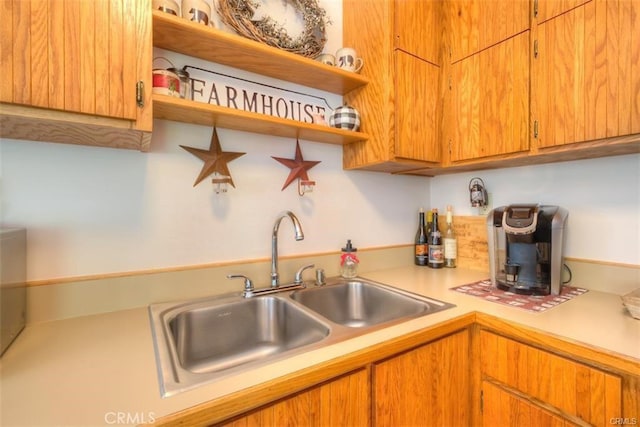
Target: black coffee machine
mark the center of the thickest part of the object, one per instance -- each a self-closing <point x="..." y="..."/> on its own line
<point x="525" y="248"/>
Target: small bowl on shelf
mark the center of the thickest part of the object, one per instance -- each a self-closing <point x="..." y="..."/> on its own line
<point x="632" y="302"/>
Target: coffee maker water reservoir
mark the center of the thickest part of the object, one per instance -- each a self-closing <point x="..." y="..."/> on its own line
<point x="526" y="248"/>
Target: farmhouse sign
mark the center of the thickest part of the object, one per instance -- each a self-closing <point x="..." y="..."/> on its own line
<point x="228" y="91"/>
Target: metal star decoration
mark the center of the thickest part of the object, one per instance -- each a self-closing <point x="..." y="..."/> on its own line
<point x="215" y="160"/>
<point x="298" y="166"/>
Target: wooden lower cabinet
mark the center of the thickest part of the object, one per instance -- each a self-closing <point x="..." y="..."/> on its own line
<point x="340" y="402"/>
<point x="469" y="376"/>
<point x="426" y="386"/>
<point x="502" y="408"/>
<point x="572" y="389"/>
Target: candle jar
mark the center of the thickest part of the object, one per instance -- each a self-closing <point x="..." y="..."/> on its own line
<point x="349" y="261"/>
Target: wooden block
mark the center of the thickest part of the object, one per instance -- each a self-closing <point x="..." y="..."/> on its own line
<point x="471" y="232"/>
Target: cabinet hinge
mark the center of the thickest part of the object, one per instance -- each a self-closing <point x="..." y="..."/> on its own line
<point x="535" y="8"/>
<point x="140" y="93"/>
<point x="481" y="400"/>
<point x="450" y="83"/>
<point x="535" y="129"/>
<point x="535" y="48"/>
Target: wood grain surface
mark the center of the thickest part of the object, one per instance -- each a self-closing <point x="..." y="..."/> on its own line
<point x="578" y="390"/>
<point x="189" y="38"/>
<point x="71" y="67"/>
<point x="476" y="25"/>
<point x="589" y="57"/>
<point x="471" y="232"/>
<point x="428" y="385"/>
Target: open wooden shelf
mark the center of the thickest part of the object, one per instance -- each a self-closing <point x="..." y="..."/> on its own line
<point x="181" y="110"/>
<point x="189" y="38"/>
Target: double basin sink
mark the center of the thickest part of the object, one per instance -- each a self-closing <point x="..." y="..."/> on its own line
<point x="199" y="341"/>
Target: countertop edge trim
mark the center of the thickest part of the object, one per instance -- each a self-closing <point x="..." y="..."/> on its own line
<point x="562" y="346"/>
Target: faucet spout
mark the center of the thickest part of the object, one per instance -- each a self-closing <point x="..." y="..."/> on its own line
<point x="299" y="235"/>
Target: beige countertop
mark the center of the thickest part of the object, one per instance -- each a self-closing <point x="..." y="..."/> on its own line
<point x="101" y="370"/>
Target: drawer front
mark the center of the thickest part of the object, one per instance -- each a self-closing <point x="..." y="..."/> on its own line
<point x="574" y="388"/>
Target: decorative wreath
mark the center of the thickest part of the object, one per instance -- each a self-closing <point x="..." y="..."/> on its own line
<point x="238" y="14"/>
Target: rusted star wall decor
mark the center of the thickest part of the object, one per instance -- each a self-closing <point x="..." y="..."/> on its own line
<point x="298" y="166"/>
<point x="215" y="160"/>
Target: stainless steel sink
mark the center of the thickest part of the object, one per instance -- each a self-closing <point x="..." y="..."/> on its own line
<point x="361" y="304"/>
<point x="200" y="341"/>
<point x="215" y="338"/>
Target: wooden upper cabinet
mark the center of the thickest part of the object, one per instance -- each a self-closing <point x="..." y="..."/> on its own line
<point x="418" y="28"/>
<point x="474" y="25"/>
<point x="72" y="55"/>
<point x="547" y="9"/>
<point x="79" y="57"/>
<point x="487" y="107"/>
<point x="586" y="77"/>
<point x="416" y="111"/>
<point x="399" y="105"/>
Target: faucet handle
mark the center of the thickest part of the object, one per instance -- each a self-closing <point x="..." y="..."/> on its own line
<point x="248" y="284"/>
<point x="298" y="278"/>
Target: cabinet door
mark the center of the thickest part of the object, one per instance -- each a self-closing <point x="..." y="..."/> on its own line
<point x="427" y="386"/>
<point x="575" y="389"/>
<point x="418" y="28"/>
<point x="586" y="77"/>
<point x="340" y="402"/>
<point x="488" y="105"/>
<point x="474" y="25"/>
<point x="547" y="9"/>
<point x="77" y="56"/>
<point x="501" y="408"/>
<point x="416" y="111"/>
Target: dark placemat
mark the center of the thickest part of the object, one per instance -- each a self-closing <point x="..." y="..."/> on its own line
<point x="483" y="289"/>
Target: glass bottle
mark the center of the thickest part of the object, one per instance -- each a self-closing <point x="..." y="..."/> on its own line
<point x="450" y="242"/>
<point x="436" y="252"/>
<point x="349" y="261"/>
<point x="420" y="242"/>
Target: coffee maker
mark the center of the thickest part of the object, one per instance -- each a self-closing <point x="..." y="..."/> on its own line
<point x="525" y="248"/>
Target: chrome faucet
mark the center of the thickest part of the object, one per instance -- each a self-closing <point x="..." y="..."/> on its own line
<point x="275" y="280"/>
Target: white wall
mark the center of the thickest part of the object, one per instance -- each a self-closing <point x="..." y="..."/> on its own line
<point x="95" y="210"/>
<point x="602" y="196"/>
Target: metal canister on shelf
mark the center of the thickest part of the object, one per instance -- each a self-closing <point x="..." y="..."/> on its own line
<point x="185" y="82"/>
<point x="165" y="81"/>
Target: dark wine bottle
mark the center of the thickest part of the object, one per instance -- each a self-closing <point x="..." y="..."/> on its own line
<point x="436" y="250"/>
<point x="421" y="252"/>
